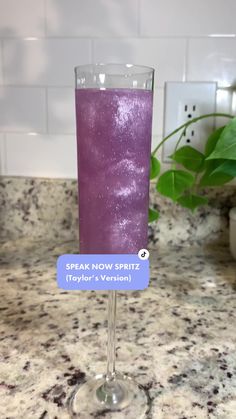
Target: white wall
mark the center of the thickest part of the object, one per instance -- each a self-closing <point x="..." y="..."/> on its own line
<point x="42" y="40"/>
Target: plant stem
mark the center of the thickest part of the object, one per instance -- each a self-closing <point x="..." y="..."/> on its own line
<point x="195" y="186"/>
<point x="173" y="165"/>
<point x="192" y="121"/>
<point x="179" y="140"/>
<point x="111" y="343"/>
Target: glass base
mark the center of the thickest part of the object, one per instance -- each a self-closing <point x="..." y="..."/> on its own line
<point x="118" y="398"/>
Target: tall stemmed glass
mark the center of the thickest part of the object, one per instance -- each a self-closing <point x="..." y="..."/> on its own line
<point x="114" y="120"/>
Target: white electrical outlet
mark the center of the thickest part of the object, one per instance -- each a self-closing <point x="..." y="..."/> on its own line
<point x="183" y="102"/>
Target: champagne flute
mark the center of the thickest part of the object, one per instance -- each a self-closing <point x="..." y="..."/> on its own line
<point x="114" y="121"/>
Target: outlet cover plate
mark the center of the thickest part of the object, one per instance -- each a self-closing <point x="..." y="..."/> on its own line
<point x="184" y="101"/>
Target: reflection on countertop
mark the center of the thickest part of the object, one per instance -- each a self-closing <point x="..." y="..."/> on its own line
<point x="177" y="337"/>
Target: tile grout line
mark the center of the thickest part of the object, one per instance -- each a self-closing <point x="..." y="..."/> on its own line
<point x="4" y="148"/>
<point x="46" y="110"/>
<point x="45" y="19"/>
<point x="92" y="50"/>
<point x="139" y="18"/>
<point x="42" y="133"/>
<point x="4" y="159"/>
<point x="71" y="87"/>
<point x="38" y="86"/>
<point x="112" y="37"/>
<point x="186" y="60"/>
<point x="2" y="60"/>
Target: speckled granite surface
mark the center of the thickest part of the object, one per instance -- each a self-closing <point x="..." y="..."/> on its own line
<point x="48" y="208"/>
<point x="177" y="337"/>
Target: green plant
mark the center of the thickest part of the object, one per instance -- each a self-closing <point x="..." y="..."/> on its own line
<point x="191" y="170"/>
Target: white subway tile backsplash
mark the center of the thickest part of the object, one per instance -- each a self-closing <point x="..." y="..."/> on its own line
<point x="44" y="61"/>
<point x="158" y="104"/>
<point x="92" y="18"/>
<point x="41" y="41"/>
<point x="22" y="109"/>
<point x="187" y="17"/>
<point x="61" y="110"/>
<point x="212" y="59"/>
<point x="2" y="155"/>
<point x="22" y="18"/>
<point x="41" y="155"/>
<point x="224" y="102"/>
<point x="1" y="63"/>
<point x="167" y="56"/>
<point x="156" y="139"/>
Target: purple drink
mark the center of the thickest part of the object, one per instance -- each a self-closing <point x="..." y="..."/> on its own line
<point x="114" y="146"/>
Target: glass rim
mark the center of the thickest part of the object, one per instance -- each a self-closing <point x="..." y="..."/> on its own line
<point x="137" y="69"/>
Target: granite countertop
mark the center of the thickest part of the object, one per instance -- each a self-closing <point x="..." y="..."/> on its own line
<point x="177" y="338"/>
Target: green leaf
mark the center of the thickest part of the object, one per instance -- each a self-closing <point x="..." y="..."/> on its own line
<point x="190" y="158"/>
<point x="155" y="167"/>
<point x="192" y="201"/>
<point x="210" y="178"/>
<point x="228" y="167"/>
<point x="173" y="183"/>
<point x="213" y="178"/>
<point x="226" y="145"/>
<point x="212" y="141"/>
<point x="153" y="215"/>
<point x="211" y="165"/>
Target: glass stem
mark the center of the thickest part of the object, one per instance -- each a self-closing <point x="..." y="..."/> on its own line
<point x="111" y="343"/>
